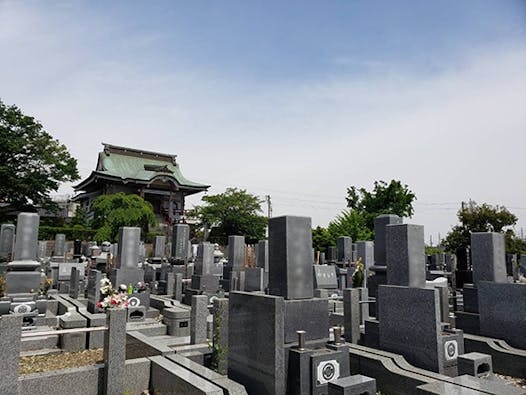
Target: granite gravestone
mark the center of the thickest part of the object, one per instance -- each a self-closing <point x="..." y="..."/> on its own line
<point x="266" y="325"/>
<point x="380" y="224"/>
<point x="93" y="290"/>
<point x="325" y="277"/>
<point x="7" y="241"/>
<point x="203" y="278"/>
<point x="290" y="244"/>
<point x="262" y="255"/>
<point x="344" y="245"/>
<point x="332" y="254"/>
<point x="365" y="251"/>
<point x="22" y="276"/>
<point x="159" y="247"/>
<point x="488" y="257"/>
<point x="42" y="249"/>
<point x="180" y="240"/>
<point x="409" y="314"/>
<point x="59" y="249"/>
<point x="127" y="271"/>
<point x="236" y="252"/>
<point x="405" y="257"/>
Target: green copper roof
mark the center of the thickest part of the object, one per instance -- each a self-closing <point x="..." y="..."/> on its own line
<point x="139" y="166"/>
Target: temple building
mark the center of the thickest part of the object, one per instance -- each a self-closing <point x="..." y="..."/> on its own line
<point x="154" y="176"/>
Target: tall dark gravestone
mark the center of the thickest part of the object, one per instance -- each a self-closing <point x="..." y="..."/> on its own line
<point x="7" y="242"/>
<point x="290" y="244"/>
<point x="180" y="238"/>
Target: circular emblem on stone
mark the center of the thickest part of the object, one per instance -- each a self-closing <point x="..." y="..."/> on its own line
<point x="451" y="349"/>
<point x="134" y="301"/>
<point x="328" y="372"/>
<point x="22" y="308"/>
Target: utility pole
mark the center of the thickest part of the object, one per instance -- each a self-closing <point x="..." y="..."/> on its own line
<point x="269" y="206"/>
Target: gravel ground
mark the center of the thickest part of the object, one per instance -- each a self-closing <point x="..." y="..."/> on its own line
<point x="521" y="383"/>
<point x="49" y="362"/>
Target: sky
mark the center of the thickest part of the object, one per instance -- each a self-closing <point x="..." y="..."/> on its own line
<point x="294" y="99"/>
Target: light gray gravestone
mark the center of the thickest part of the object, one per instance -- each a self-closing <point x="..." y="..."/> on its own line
<point x="59" y="249"/>
<point x="488" y="257"/>
<point x="115" y="352"/>
<point x="159" y="247"/>
<point x="365" y="251"/>
<point x="198" y="317"/>
<point x="10" y="334"/>
<point x="236" y="252"/>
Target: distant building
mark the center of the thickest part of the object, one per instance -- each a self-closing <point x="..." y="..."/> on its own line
<point x="154" y="176"/>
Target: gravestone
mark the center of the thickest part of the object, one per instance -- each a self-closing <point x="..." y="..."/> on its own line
<point x="488" y="257"/>
<point x="325" y="277"/>
<point x="203" y="278"/>
<point x="180" y="240"/>
<point x="159" y="247"/>
<point x="405" y="255"/>
<point x="262" y="255"/>
<point x="77" y="249"/>
<point x="205" y="258"/>
<point x="365" y="251"/>
<point x="7" y="241"/>
<point x="502" y="309"/>
<point x="266" y="325"/>
<point x="344" y="245"/>
<point x="74" y="283"/>
<point x="290" y="243"/>
<point x="198" y="318"/>
<point x="380" y="224"/>
<point x="127" y="271"/>
<point x="26" y="238"/>
<point x="93" y="290"/>
<point x="257" y="361"/>
<point x="42" y="249"/>
<point x="236" y="252"/>
<point x="22" y="275"/>
<point x="59" y="249"/>
<point x="410" y="326"/>
<point x="409" y="314"/>
<point x="332" y="254"/>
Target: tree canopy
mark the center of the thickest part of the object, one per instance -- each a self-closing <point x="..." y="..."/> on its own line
<point x="233" y="212"/>
<point x="363" y="207"/>
<point x="392" y="198"/>
<point x="110" y="212"/>
<point x="482" y="218"/>
<point x="32" y="162"/>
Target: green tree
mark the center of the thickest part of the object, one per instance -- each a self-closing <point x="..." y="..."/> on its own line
<point x="32" y="162"/>
<point x="364" y="206"/>
<point x="321" y="239"/>
<point x="80" y="218"/>
<point x="110" y="212"/>
<point x="234" y="212"/>
<point x="350" y="223"/>
<point x="482" y="218"/>
<point x="392" y="198"/>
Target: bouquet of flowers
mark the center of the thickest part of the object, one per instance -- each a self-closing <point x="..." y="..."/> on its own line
<point x="118" y="300"/>
<point x="111" y="298"/>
